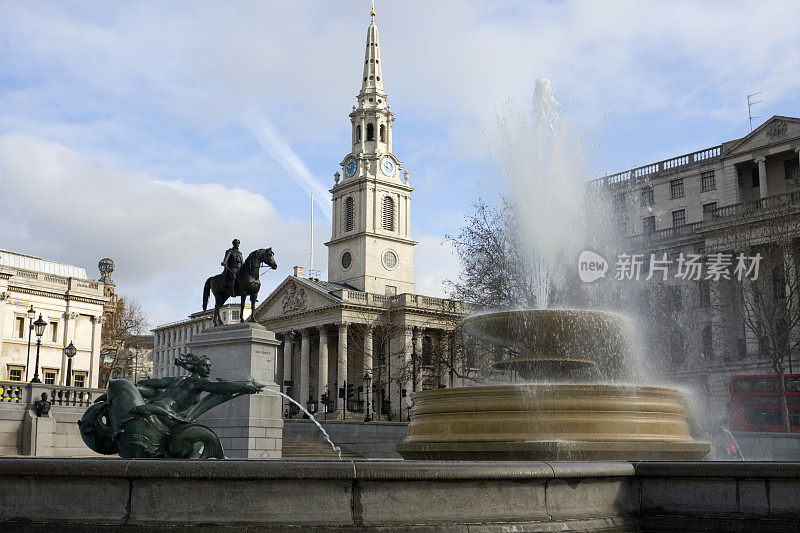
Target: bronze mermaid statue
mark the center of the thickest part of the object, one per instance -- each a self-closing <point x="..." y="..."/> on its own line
<point x="155" y="417"/>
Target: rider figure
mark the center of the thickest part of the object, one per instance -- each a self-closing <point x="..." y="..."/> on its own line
<point x="232" y="263"/>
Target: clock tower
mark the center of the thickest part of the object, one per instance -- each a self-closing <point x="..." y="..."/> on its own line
<point x="371" y="246"/>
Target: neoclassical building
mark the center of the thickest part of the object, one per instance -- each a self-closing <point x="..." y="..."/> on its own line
<point x="72" y="306"/>
<point x="737" y="195"/>
<point x="365" y="330"/>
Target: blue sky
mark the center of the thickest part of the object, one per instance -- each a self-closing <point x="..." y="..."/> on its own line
<point x="155" y="132"/>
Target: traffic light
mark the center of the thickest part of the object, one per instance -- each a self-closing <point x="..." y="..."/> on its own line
<point x="341" y="392"/>
<point x="324" y="398"/>
<point x="351" y="391"/>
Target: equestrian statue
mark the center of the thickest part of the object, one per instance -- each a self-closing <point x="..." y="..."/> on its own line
<point x="240" y="278"/>
<point x="155" y="417"/>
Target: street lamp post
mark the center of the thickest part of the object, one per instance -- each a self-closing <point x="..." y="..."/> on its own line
<point x="31" y="316"/>
<point x="367" y="382"/>
<point x="39" y="326"/>
<point x="70" y="352"/>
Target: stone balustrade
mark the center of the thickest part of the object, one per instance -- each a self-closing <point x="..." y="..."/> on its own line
<point x="654" y="168"/>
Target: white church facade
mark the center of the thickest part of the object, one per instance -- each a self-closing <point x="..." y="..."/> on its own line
<point x="357" y="344"/>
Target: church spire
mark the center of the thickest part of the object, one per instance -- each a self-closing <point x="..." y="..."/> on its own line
<point x="372" y="82"/>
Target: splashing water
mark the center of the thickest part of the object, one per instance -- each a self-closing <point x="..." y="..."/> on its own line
<point x="336" y="448"/>
<point x="542" y="158"/>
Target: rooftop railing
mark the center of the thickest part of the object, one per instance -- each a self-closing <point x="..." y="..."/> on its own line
<point x="654" y="168"/>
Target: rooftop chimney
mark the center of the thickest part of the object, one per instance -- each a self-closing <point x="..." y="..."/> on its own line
<point x="298" y="271"/>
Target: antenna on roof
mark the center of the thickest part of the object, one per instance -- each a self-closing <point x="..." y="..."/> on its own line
<point x="750" y="105"/>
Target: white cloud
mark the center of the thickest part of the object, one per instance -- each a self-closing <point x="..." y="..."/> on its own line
<point x="165" y="236"/>
<point x="435" y="261"/>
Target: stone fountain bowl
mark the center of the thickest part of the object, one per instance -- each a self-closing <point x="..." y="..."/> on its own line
<point x="553" y="342"/>
<point x="558" y="421"/>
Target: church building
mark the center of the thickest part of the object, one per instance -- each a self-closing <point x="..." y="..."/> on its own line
<point x="357" y="344"/>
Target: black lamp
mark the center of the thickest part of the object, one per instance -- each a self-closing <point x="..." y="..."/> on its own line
<point x="38" y="327"/>
<point x="31" y="316"/>
<point x="70" y="352"/>
<point x="367" y="381"/>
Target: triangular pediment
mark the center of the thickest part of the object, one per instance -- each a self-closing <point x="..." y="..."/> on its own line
<point x="776" y="130"/>
<point x="294" y="295"/>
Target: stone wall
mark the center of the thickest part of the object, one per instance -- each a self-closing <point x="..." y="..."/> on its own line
<point x="55" y="435"/>
<point x="399" y="495"/>
<point x="375" y="440"/>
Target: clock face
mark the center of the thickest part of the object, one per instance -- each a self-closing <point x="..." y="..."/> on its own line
<point x="387" y="166"/>
<point x="350" y="167"/>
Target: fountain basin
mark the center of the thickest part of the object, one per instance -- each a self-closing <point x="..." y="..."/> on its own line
<point x="550" y="421"/>
<point x="552" y="343"/>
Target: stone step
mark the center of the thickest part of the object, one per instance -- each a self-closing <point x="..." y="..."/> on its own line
<point x="313" y="450"/>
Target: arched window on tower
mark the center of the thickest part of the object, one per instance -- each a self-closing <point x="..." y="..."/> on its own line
<point x="358" y="133"/>
<point x="349" y="214"/>
<point x="388" y="213"/>
<point x="370" y="132"/>
<point x="383" y="133"/>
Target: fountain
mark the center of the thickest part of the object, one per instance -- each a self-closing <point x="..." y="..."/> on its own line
<point x="571" y="407"/>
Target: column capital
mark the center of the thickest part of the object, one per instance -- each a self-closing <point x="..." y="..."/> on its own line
<point x="305" y="332"/>
<point x="797" y="150"/>
<point x="323" y="329"/>
<point x="343" y="325"/>
<point x="760" y="159"/>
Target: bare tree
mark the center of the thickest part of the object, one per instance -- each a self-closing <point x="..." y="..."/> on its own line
<point x="766" y="301"/>
<point x="121" y="327"/>
<point x="494" y="269"/>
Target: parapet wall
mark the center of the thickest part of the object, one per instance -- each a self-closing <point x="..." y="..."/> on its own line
<point x="268" y="495"/>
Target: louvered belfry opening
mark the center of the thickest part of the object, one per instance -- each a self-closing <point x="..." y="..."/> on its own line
<point x="349" y="214"/>
<point x="388" y="214"/>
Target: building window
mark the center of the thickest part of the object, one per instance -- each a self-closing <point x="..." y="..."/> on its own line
<point x="791" y="168"/>
<point x="708" y="181"/>
<point x="358" y="133"/>
<point x="647" y="195"/>
<point x="388" y="214"/>
<point x="370" y="132"/>
<point x="676" y="188"/>
<point x="383" y="133"/>
<point x="389" y="259"/>
<point x="708" y="349"/>
<point x="15" y="373"/>
<point x="391" y="290"/>
<point x="236" y="315"/>
<point x="349" y="214"/>
<point x="347" y="260"/>
<point x="49" y="376"/>
<point x="705" y="294"/>
<point x="20" y="327"/>
<point x="678" y="218"/>
<point x="619" y="202"/>
<point x="649" y="224"/>
<point x="708" y="208"/>
<point x="54" y="331"/>
<point x="79" y="379"/>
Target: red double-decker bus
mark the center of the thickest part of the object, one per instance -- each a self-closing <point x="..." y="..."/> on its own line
<point x="756" y="405"/>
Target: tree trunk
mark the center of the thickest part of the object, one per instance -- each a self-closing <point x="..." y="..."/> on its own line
<point x="779" y="370"/>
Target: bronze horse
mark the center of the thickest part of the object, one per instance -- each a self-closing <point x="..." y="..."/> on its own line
<point x="246" y="284"/>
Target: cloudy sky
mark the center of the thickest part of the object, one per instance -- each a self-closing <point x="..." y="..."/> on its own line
<point x="155" y="132"/>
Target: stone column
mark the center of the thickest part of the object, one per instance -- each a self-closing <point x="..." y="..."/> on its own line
<point x="368" y="369"/>
<point x="4" y="295"/>
<point x="288" y="337"/>
<point x="418" y="334"/>
<point x="303" y="377"/>
<point x="762" y="175"/>
<point x="94" y="356"/>
<point x="322" y="373"/>
<point x="797" y="151"/>
<point x="341" y="373"/>
<point x="408" y="382"/>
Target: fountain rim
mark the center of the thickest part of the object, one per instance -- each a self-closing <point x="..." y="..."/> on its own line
<point x="520" y="389"/>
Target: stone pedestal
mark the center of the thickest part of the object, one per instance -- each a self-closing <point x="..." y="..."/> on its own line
<point x="37" y="435"/>
<point x="250" y="426"/>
